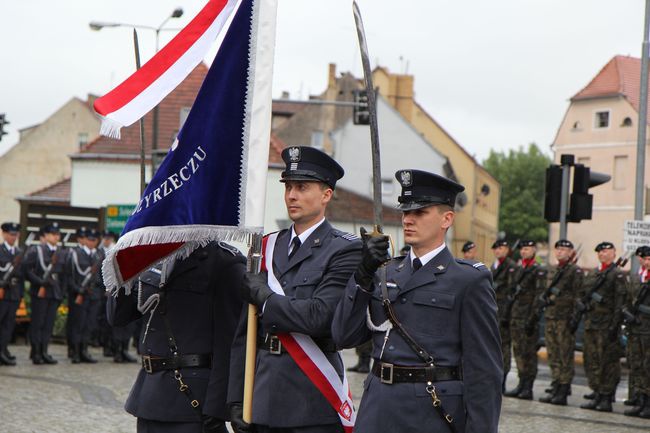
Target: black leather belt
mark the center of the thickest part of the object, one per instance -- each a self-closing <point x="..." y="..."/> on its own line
<point x="273" y="344"/>
<point x="389" y="373"/>
<point x="152" y="364"/>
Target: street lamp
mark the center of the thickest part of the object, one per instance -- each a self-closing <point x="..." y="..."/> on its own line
<point x="176" y="13"/>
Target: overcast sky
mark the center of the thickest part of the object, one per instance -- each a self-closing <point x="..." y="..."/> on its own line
<point x="495" y="74"/>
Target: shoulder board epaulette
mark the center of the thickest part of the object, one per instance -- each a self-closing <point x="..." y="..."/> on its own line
<point x="232" y="250"/>
<point x="345" y="235"/>
<point x="472" y="263"/>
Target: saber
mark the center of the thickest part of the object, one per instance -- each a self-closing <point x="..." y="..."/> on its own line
<point x="374" y="129"/>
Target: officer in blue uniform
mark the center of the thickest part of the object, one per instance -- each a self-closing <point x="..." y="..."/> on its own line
<point x="312" y="262"/>
<point x="190" y="313"/>
<point x="438" y="360"/>
<point x="82" y="271"/>
<point x="45" y="270"/>
<point x="12" y="286"/>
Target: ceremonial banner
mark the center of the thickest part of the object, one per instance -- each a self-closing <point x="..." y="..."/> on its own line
<point x="212" y="184"/>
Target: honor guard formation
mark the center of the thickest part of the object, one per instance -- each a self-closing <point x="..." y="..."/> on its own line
<point x="435" y="334"/>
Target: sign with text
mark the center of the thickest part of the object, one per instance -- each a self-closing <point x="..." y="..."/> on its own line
<point x="117" y="215"/>
<point x="635" y="234"/>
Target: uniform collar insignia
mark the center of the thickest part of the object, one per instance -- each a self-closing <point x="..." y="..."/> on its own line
<point x="440" y="267"/>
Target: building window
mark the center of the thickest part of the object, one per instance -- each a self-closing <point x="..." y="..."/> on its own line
<point x="627" y="122"/>
<point x="620" y="168"/>
<point x="82" y="139"/>
<point x="602" y="119"/>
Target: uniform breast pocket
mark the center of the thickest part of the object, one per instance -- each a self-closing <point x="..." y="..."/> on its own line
<point x="306" y="283"/>
<point x="196" y="284"/>
<point x="433" y="311"/>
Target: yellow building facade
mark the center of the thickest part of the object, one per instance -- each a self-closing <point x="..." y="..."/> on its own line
<point x="478" y="220"/>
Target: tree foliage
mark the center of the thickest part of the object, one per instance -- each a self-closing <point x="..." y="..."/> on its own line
<point x="521" y="174"/>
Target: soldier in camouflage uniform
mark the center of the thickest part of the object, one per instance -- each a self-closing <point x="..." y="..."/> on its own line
<point x="529" y="284"/>
<point x="637" y="320"/>
<point x="558" y="302"/>
<point x="603" y="317"/>
<point x="502" y="271"/>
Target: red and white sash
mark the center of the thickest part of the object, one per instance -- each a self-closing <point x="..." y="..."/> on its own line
<point x="309" y="357"/>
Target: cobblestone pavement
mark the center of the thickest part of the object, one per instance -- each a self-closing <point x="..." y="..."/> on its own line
<point x="85" y="398"/>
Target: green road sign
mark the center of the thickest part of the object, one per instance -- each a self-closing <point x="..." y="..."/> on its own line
<point x="116" y="216"/>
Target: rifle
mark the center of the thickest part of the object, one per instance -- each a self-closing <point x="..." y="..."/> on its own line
<point x="551" y="293"/>
<point x="630" y="316"/>
<point x="513" y="296"/>
<point x="90" y="276"/>
<point x="15" y="263"/>
<point x="50" y="267"/>
<point x="584" y="304"/>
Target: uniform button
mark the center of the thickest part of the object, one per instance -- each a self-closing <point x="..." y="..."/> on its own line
<point x="304" y="280"/>
<point x="284" y="283"/>
<point x="433" y="300"/>
<point x="391" y="347"/>
<point x="403" y="300"/>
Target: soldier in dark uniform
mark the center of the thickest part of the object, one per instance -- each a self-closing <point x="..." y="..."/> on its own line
<point x="637" y="322"/>
<point x="643" y="274"/>
<point x="443" y="364"/>
<point x="12" y="285"/>
<point x="503" y="271"/>
<point x="558" y="303"/>
<point x="82" y="268"/>
<point x="191" y="311"/>
<point x="312" y="262"/>
<point x="469" y="250"/>
<point x="603" y="318"/>
<point x="45" y="270"/>
<point x="529" y="282"/>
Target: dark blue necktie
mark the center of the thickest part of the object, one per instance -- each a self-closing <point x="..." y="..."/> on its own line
<point x="417" y="264"/>
<point x="295" y="244"/>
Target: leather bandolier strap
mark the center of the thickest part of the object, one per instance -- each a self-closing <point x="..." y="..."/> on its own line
<point x="422" y="354"/>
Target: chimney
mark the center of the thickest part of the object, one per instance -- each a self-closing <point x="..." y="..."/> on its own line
<point x="331" y="80"/>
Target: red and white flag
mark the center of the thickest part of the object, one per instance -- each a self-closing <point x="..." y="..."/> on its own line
<point x="149" y="85"/>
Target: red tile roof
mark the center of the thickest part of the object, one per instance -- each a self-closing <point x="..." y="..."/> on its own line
<point x="168" y="122"/>
<point x="275" y="150"/>
<point x="127" y="149"/>
<point x="621" y="76"/>
<point x="351" y="207"/>
<point x="57" y="192"/>
<point x="287" y="107"/>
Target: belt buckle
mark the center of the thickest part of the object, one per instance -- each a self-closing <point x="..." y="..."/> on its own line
<point x="386" y="373"/>
<point x="275" y="345"/>
<point x="146" y="364"/>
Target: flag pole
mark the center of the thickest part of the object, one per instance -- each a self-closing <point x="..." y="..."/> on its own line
<point x="136" y="47"/>
<point x="254" y="265"/>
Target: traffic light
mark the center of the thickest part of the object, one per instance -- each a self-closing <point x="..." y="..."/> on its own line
<point x="553" y="193"/>
<point x="360" y="111"/>
<point x="581" y="201"/>
<point x="3" y="122"/>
